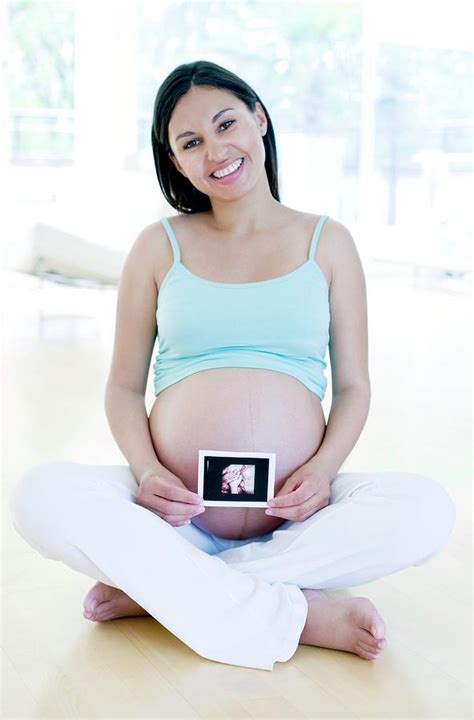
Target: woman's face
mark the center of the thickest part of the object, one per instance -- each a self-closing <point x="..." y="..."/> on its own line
<point x="214" y="140"/>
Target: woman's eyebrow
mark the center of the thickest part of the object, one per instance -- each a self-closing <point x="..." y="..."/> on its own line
<point x="192" y="132"/>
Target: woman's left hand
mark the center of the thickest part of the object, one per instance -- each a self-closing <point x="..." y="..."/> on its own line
<point x="303" y="493"/>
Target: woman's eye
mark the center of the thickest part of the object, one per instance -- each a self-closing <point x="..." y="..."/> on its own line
<point x="189" y="144"/>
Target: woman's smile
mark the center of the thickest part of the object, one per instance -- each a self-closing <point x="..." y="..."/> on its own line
<point x="232" y="173"/>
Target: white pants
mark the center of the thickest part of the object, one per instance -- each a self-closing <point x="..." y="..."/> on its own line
<point x="231" y="601"/>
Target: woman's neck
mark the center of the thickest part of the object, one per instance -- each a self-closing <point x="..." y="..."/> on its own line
<point x="244" y="217"/>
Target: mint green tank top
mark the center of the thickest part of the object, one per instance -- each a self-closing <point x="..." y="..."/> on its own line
<point x="281" y="324"/>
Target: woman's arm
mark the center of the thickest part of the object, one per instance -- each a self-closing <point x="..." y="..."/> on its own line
<point x="135" y="334"/>
<point x="128" y="422"/>
<point x="348" y="349"/>
<point x="348" y="415"/>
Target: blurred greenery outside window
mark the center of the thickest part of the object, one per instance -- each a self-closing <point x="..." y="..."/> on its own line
<point x="304" y="60"/>
<point x="41" y="74"/>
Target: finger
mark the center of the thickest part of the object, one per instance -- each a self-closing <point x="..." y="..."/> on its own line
<point x="175" y="520"/>
<point x="174" y="492"/>
<point x="175" y="509"/>
<point x="184" y="518"/>
<point x="168" y="507"/>
<point x="178" y="520"/>
<point x="297" y="512"/>
<point x="178" y="523"/>
<point x="289" y="486"/>
<point x="295" y="497"/>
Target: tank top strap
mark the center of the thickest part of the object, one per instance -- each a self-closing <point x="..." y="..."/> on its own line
<point x="172" y="238"/>
<point x="316" y="235"/>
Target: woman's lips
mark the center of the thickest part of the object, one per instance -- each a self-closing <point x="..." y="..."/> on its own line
<point x="227" y="179"/>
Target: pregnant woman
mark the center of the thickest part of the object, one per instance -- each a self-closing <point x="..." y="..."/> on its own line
<point x="244" y="296"/>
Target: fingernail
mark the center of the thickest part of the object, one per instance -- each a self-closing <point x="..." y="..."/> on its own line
<point x="268" y="512"/>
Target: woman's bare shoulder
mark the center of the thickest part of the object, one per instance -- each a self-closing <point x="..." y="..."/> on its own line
<point x="333" y="227"/>
<point x="339" y="248"/>
<point x="338" y="240"/>
<point x="156" y="253"/>
<point x="334" y="243"/>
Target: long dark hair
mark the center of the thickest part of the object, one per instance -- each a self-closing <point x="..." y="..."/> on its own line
<point x="176" y="188"/>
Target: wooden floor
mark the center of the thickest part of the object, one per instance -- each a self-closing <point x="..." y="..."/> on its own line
<point x="56" y="664"/>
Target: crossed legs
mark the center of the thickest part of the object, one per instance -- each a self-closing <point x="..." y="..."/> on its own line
<point x="247" y="606"/>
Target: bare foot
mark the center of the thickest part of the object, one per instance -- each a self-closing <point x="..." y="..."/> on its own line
<point x="103" y="602"/>
<point x="351" y="624"/>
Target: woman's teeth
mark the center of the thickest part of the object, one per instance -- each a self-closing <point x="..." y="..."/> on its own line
<point x="228" y="170"/>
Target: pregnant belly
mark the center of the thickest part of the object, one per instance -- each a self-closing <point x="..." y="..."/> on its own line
<point x="236" y="409"/>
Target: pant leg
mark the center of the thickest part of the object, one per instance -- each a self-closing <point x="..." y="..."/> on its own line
<point x="112" y="479"/>
<point x="86" y="517"/>
<point x="376" y="524"/>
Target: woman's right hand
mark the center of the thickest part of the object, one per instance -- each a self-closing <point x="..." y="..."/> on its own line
<point x="168" y="497"/>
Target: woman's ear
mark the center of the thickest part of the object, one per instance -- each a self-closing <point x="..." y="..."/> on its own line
<point x="261" y="118"/>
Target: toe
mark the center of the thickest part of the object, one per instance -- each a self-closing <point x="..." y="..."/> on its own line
<point x="377" y="627"/>
<point x="368" y="648"/>
<point x="378" y="630"/>
<point x="369" y="618"/>
<point x="366" y="655"/>
<point x="96" y="595"/>
<point x="367" y="638"/>
<point x="367" y="641"/>
<point x="103" y="611"/>
<point x="92" y="599"/>
<point x="365" y="645"/>
<point x="90" y="606"/>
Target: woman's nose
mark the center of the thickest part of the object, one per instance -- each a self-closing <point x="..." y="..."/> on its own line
<point x="216" y="151"/>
